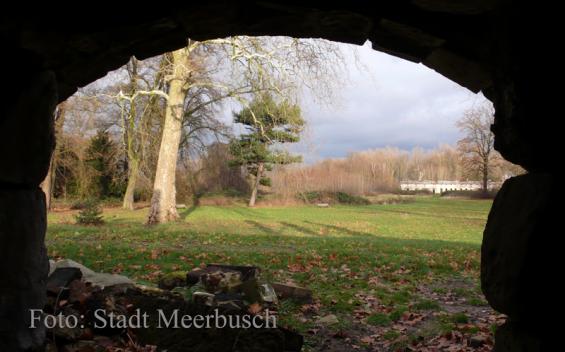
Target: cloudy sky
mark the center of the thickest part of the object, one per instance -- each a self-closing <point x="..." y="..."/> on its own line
<point x="389" y="102"/>
<point x="385" y="101"/>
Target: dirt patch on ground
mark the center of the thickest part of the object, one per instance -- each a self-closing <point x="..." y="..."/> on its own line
<point x="450" y="315"/>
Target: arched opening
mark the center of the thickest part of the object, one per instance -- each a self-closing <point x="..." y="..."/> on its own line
<point x="396" y="260"/>
<point x="472" y="44"/>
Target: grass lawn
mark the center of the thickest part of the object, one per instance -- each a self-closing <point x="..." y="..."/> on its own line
<point x="370" y="266"/>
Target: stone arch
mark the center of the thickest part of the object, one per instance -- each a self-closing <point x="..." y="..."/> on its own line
<point x="477" y="44"/>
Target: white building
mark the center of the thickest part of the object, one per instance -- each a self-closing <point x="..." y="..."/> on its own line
<point x="438" y="187"/>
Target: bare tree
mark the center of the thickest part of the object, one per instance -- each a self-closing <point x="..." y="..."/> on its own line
<point x="129" y="101"/>
<point x="138" y="109"/>
<point x="47" y="186"/>
<point x="163" y="201"/>
<point x="477" y="147"/>
<point x="279" y="66"/>
<point x="188" y="117"/>
<point x="48" y="182"/>
<point x="76" y="126"/>
<point x="129" y="129"/>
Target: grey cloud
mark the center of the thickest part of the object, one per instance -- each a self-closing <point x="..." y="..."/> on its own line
<point x="403" y="104"/>
<point x="394" y="103"/>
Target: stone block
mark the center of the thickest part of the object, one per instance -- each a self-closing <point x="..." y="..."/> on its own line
<point x="520" y="258"/>
<point x="26" y="131"/>
<point x="23" y="267"/>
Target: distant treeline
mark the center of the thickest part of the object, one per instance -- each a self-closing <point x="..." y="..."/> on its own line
<point x="97" y="167"/>
<point x="381" y="170"/>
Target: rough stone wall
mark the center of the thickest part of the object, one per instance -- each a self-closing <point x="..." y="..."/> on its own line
<point x="452" y="37"/>
<point x="520" y="262"/>
<point x="26" y="143"/>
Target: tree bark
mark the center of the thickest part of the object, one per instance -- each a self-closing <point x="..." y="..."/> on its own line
<point x="163" y="201"/>
<point x="47" y="186"/>
<point x="49" y="181"/>
<point x="256" y="184"/>
<point x="133" y="170"/>
<point x="485" y="176"/>
<point x="129" y="134"/>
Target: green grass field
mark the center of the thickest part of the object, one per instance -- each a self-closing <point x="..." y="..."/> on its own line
<point x="401" y="256"/>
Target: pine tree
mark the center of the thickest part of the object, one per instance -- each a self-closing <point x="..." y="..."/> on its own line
<point x="101" y="156"/>
<point x="90" y="214"/>
<point x="268" y="124"/>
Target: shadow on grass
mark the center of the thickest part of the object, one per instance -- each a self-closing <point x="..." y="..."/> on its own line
<point x="263" y="228"/>
<point x="299" y="228"/>
<point x="247" y="212"/>
<point x="343" y="230"/>
<point x="183" y="214"/>
<point x="108" y="221"/>
<point x="428" y="215"/>
<point x="337" y="235"/>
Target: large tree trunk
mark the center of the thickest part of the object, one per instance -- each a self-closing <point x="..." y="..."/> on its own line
<point x="256" y="184"/>
<point x="129" y="135"/>
<point x="163" y="201"/>
<point x="133" y="169"/>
